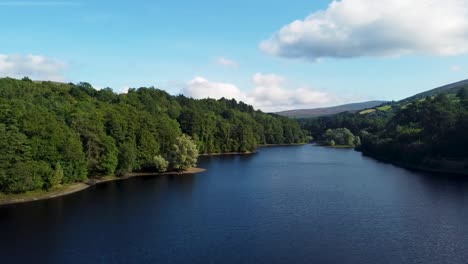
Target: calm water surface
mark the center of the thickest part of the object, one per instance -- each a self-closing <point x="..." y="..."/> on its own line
<point x="284" y="205"/>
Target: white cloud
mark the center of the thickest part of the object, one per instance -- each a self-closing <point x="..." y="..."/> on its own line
<point x="200" y="88"/>
<point x="268" y="94"/>
<point x="35" y="67"/>
<point x="123" y="90"/>
<point x="272" y="94"/>
<point x="354" y="28"/>
<point x="227" y="62"/>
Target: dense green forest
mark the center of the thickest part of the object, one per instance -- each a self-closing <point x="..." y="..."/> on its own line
<point x="340" y="137"/>
<point x="55" y="133"/>
<point x="431" y="132"/>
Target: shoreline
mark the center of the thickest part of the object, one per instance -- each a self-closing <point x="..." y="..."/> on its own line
<point x="282" y="145"/>
<point x="227" y="154"/>
<point x="415" y="167"/>
<point x="430" y="170"/>
<point x="12" y="199"/>
<point x="251" y="152"/>
<point x="335" y="146"/>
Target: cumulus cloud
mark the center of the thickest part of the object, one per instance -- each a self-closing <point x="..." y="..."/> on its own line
<point x="354" y="28"/>
<point x="200" y="88"/>
<point x="269" y="93"/>
<point x="227" y="62"/>
<point x="34" y="66"/>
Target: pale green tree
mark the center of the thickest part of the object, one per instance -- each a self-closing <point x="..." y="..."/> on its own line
<point x="160" y="163"/>
<point x="183" y="154"/>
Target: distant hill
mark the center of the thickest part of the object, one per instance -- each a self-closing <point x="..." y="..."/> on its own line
<point x="317" y="112"/>
<point x="449" y="88"/>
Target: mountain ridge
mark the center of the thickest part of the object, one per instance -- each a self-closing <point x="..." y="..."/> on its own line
<point x="448" y="88"/>
<point x="324" y="111"/>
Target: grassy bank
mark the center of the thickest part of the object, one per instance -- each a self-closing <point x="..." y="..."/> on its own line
<point x="41" y="194"/>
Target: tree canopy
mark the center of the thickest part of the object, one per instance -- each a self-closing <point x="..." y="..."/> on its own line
<point x="54" y="133"/>
<point x="418" y="132"/>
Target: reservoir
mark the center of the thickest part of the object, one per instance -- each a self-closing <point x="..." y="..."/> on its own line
<point x="298" y="204"/>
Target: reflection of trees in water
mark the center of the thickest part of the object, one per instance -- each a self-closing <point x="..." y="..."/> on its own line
<point x="185" y="181"/>
<point x="221" y="159"/>
<point x="443" y="186"/>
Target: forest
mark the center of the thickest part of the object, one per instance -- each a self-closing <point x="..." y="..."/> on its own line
<point x="55" y="133"/>
<point x="340" y="137"/>
<point x="431" y="132"/>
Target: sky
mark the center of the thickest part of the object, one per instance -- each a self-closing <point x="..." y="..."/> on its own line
<point x="275" y="55"/>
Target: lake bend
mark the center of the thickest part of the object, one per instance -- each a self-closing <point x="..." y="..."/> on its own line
<point x="298" y="204"/>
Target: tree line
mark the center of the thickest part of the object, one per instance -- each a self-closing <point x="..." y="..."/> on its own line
<point x="54" y="133"/>
<point x="424" y="130"/>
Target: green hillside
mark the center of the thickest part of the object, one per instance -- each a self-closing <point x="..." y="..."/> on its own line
<point x="326" y="111"/>
<point x="54" y="133"/>
<point x="428" y="130"/>
<point x="452" y="88"/>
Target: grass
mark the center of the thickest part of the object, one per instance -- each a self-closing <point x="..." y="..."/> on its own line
<point x="368" y="111"/>
<point x="385" y="108"/>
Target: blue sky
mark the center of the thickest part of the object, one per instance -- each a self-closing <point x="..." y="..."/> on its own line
<point x="213" y="48"/>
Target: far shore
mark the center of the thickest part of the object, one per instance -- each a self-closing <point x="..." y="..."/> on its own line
<point x="251" y="152"/>
<point x="8" y="199"/>
<point x="227" y="154"/>
<point x="335" y="146"/>
<point x="282" y="145"/>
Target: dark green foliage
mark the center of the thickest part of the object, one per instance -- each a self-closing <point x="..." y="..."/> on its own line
<point x="340" y="136"/>
<point x="54" y="133"/>
<point x="182" y="156"/>
<point x="28" y="176"/>
<point x="126" y="158"/>
<point x="434" y="128"/>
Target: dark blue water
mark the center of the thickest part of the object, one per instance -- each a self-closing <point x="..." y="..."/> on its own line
<point x="284" y="205"/>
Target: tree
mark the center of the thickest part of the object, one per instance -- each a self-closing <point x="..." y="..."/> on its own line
<point x="160" y="164"/>
<point x="55" y="178"/>
<point x="53" y="133"/>
<point x="357" y="141"/>
<point x="26" y="176"/>
<point x="463" y="95"/>
<point x="126" y="158"/>
<point x="340" y="136"/>
<point x="183" y="153"/>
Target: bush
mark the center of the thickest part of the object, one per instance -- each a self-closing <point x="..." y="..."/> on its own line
<point x="160" y="164"/>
